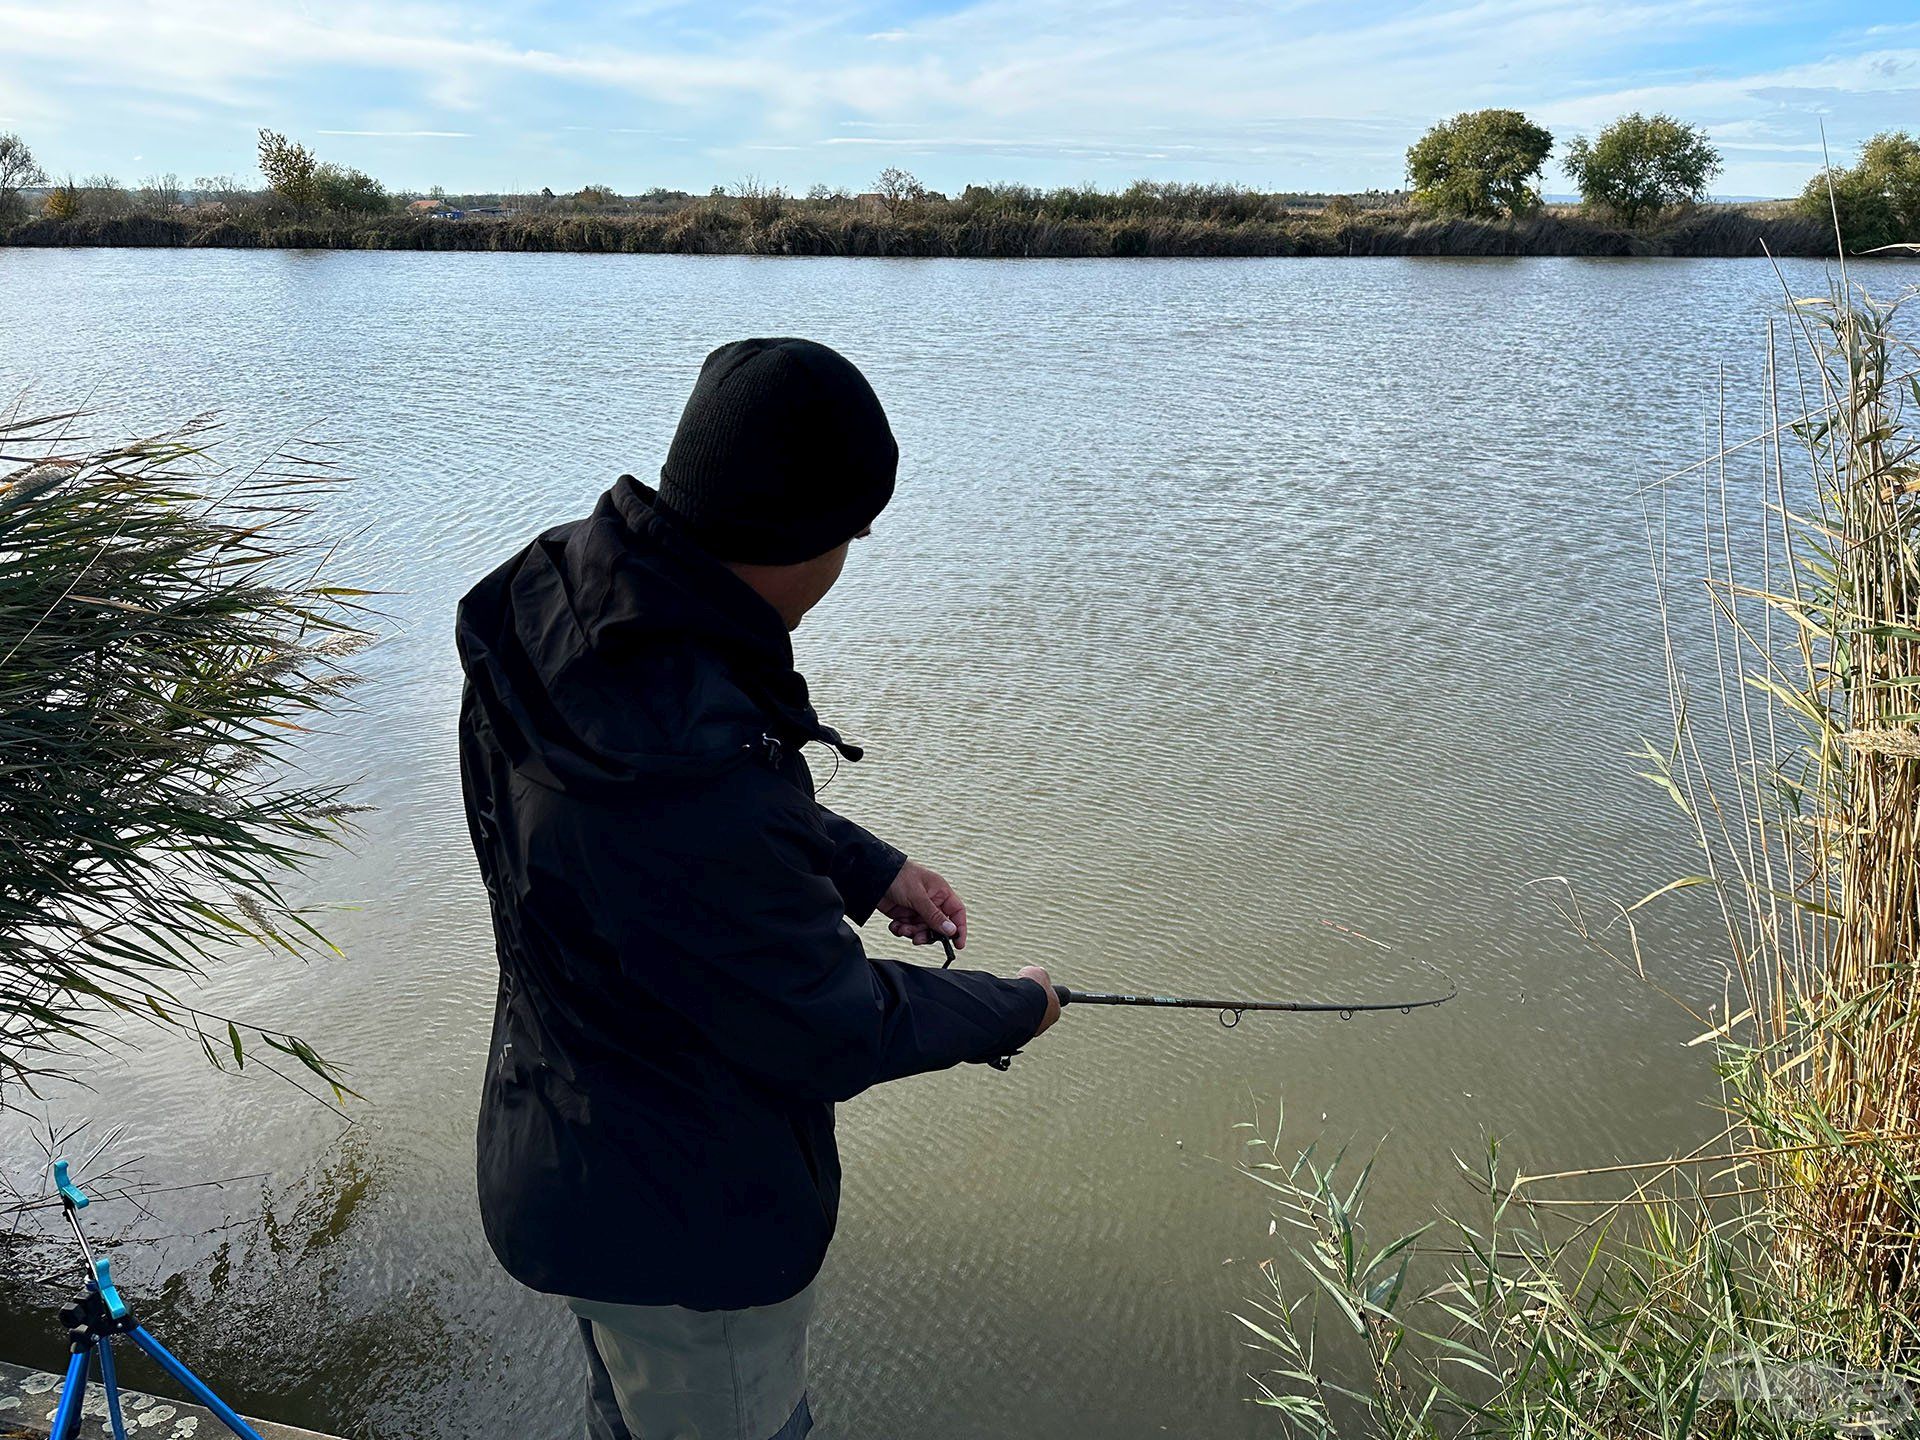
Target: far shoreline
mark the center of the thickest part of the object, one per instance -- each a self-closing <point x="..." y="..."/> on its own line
<point x="1727" y="231"/>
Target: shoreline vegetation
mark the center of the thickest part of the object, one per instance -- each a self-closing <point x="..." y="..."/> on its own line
<point x="1269" y="226"/>
<point x="167" y="636"/>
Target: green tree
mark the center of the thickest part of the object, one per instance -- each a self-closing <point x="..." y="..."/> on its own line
<point x="1480" y="163"/>
<point x="17" y="170"/>
<point x="289" y="169"/>
<point x="349" y="192"/>
<point x="1877" y="199"/>
<point x="305" y="182"/>
<point x="1641" y="165"/>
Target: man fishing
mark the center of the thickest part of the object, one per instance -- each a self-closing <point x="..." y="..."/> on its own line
<point x="681" y="999"/>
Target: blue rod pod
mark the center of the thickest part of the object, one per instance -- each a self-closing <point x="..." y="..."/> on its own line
<point x="73" y="1394"/>
<point x="193" y="1384"/>
<point x="111" y="1384"/>
<point x="69" y="1192"/>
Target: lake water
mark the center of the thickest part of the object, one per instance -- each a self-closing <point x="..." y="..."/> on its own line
<point x="1222" y="604"/>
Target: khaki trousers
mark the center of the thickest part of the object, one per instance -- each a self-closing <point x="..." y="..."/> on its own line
<point x="660" y="1372"/>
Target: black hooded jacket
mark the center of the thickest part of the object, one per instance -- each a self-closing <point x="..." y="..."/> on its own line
<point x="681" y="1000"/>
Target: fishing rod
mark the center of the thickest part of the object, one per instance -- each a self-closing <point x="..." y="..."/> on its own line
<point x="1230" y="1011"/>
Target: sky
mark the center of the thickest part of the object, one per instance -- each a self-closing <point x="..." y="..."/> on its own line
<point x="1321" y="95"/>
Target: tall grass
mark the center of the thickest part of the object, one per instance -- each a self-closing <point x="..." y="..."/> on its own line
<point x="1765" y="1284"/>
<point x="1821" y="898"/>
<point x="1800" y="773"/>
<point x="165" y="639"/>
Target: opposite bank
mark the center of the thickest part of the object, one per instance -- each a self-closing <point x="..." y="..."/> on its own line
<point x="1706" y="231"/>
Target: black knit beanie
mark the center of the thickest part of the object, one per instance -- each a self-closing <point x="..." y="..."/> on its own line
<point x="783" y="452"/>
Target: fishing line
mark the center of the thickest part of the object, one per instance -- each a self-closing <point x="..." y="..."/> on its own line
<point x="833" y="775"/>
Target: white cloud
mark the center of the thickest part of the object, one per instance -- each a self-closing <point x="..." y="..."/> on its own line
<point x="1285" y="93"/>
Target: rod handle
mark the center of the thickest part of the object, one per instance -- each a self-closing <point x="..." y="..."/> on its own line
<point x="1064" y="995"/>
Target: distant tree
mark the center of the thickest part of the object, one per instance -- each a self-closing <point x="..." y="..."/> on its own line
<point x="159" y="194"/>
<point x="899" y="189"/>
<point x="288" y="168"/>
<point x="225" y="190"/>
<point x="1481" y="163"/>
<point x="105" y="196"/>
<point x="827" y="194"/>
<point x="596" y="196"/>
<point x="17" y="170"/>
<point x="346" y="191"/>
<point x="438" y="192"/>
<point x="306" y="183"/>
<point x="1877" y="199"/>
<point x="1641" y="165"/>
<point x="63" y="202"/>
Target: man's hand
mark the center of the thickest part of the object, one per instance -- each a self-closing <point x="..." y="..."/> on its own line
<point x="1039" y="975"/>
<point x="922" y="907"/>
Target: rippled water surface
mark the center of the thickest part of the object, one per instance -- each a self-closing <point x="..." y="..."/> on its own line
<point x="1225" y="608"/>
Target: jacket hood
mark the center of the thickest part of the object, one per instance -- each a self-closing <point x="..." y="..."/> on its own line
<point x="613" y="649"/>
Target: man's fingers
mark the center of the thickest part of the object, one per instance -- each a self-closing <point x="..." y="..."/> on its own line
<point x="923" y="907"/>
<point x="930" y="910"/>
<point x="953" y="921"/>
<point x="957" y="913"/>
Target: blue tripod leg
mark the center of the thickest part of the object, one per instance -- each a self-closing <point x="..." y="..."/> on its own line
<point x="73" y="1394"/>
<point x="111" y="1384"/>
<point x="192" y="1383"/>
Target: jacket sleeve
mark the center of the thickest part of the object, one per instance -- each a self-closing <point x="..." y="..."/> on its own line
<point x="863" y="866"/>
<point x="725" y="911"/>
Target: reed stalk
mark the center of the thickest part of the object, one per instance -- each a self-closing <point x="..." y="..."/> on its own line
<point x="1801" y="774"/>
<point x="166" y="642"/>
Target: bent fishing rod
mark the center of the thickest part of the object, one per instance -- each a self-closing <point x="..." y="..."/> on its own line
<point x="1230" y="1011"/>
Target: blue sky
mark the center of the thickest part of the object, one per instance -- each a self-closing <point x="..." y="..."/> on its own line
<point x="1299" y="94"/>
